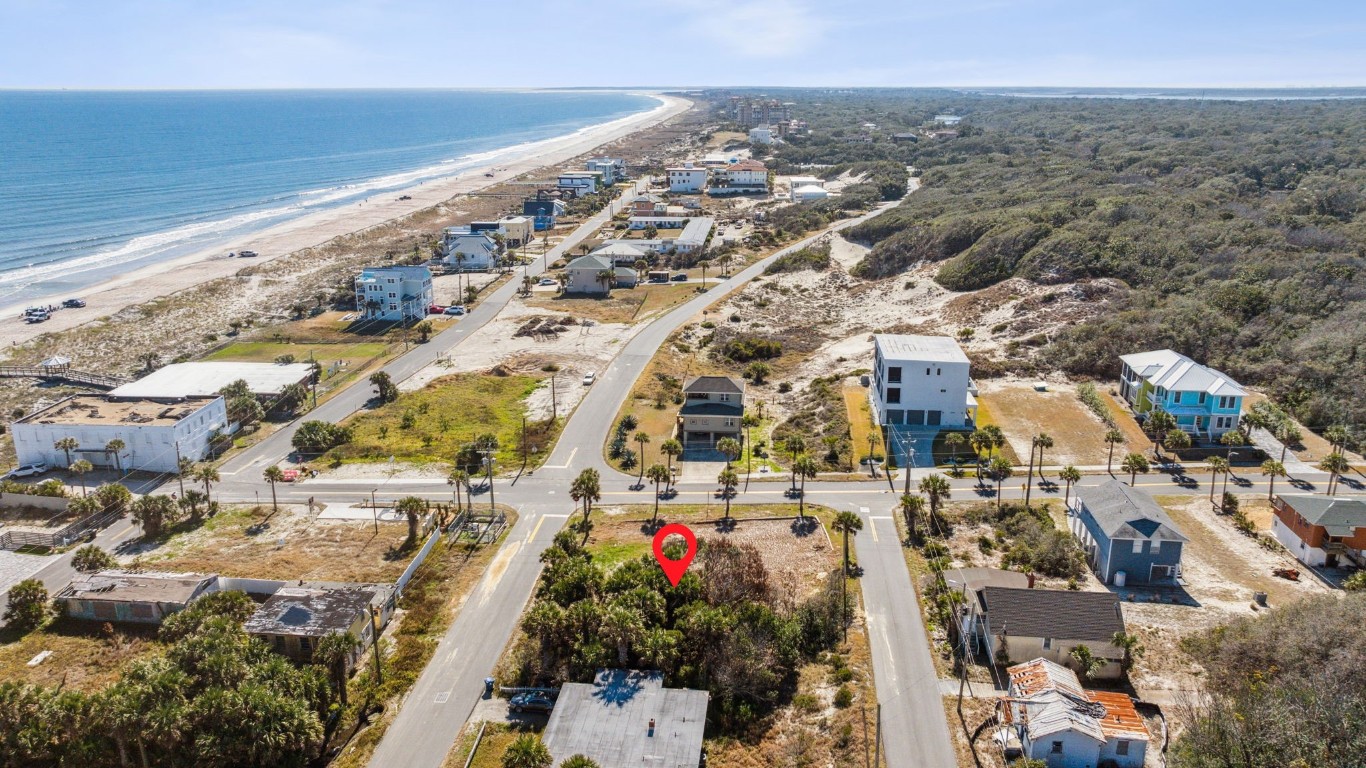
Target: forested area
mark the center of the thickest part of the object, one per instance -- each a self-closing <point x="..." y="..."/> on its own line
<point x="1236" y="227"/>
<point x="724" y="628"/>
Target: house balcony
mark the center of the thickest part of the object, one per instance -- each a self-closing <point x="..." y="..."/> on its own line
<point x="972" y="388"/>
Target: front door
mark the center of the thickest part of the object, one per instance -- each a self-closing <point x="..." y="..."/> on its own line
<point x="1330" y="561"/>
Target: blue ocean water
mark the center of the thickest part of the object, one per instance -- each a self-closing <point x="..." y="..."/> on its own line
<point x="96" y="183"/>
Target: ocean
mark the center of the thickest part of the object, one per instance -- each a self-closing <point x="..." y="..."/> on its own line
<point x="94" y="184"/>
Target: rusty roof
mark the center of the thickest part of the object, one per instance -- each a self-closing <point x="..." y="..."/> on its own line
<point x="1121" y="719"/>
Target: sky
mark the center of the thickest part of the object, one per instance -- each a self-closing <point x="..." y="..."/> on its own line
<point x="679" y="43"/>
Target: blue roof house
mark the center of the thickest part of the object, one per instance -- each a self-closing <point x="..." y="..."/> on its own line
<point x="1127" y="537"/>
<point x="1206" y="402"/>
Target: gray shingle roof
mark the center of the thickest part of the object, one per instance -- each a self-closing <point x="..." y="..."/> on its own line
<point x="1125" y="513"/>
<point x="1339" y="516"/>
<point x="1061" y="614"/>
<point x="609" y="721"/>
<point x="714" y="384"/>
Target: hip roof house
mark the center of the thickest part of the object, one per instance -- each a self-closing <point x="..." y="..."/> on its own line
<point x="1205" y="402"/>
<point x="1321" y="530"/>
<point x="1127" y="537"/>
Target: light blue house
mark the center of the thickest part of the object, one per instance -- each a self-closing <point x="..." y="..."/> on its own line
<point x="1206" y="403"/>
<point x="1127" y="537"/>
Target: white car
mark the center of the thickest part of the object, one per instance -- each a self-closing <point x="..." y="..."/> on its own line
<point x="589" y="378"/>
<point x="26" y="470"/>
<point x="456" y="310"/>
<point x="548" y="281"/>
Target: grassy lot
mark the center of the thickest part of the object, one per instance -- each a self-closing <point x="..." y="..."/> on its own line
<point x="83" y="657"/>
<point x="985" y="416"/>
<point x="861" y="424"/>
<point x="810" y="730"/>
<point x="448" y="414"/>
<point x="624" y="305"/>
<point x="429" y="605"/>
<point x="497" y="738"/>
<point x="1078" y="436"/>
<point x="245" y="542"/>
<point x="1134" y="438"/>
<point x="350" y="354"/>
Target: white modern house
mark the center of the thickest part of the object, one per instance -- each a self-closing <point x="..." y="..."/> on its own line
<point x="516" y="230"/>
<point x="744" y="177"/>
<point x="659" y="222"/>
<point x="920" y="385"/>
<point x="204" y="379"/>
<point x="580" y="183"/>
<point x="687" y="179"/>
<point x="808" y="193"/>
<point x="394" y="294"/>
<point x="761" y="135"/>
<point x="466" y="250"/>
<point x="692" y="238"/>
<point x="155" y="433"/>
<point x="613" y="169"/>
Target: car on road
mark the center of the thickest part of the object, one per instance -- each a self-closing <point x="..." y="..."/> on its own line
<point x="680" y="278"/>
<point x="531" y="702"/>
<point x="435" y="309"/>
<point x="547" y="281"/>
<point x="26" y="470"/>
<point x="73" y="303"/>
<point x="589" y="378"/>
<point x="455" y="310"/>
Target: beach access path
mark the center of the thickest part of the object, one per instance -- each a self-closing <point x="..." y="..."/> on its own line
<point x="166" y="278"/>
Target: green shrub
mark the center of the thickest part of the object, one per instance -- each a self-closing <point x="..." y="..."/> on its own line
<point x="1086" y="392"/>
<point x="844" y="697"/>
<point x="746" y="348"/>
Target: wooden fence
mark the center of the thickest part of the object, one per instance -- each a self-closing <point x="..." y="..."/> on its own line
<point x="61" y="538"/>
<point x="96" y="380"/>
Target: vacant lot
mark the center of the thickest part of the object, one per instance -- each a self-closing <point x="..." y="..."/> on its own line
<point x="435" y="422"/>
<point x="83" y="657"/>
<point x="1022" y="413"/>
<point x="253" y="542"/>
<point x="623" y="305"/>
<point x="335" y="358"/>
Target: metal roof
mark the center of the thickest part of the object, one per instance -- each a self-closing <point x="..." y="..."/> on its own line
<point x="1062" y="614"/>
<point x="1338" y="516"/>
<point x="904" y="348"/>
<point x="609" y="721"/>
<point x="1125" y="513"/>
<point x="1175" y="372"/>
<point x="203" y="379"/>
<point x="1047" y="698"/>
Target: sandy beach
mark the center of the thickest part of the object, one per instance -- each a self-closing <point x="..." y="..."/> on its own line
<point x="151" y="282"/>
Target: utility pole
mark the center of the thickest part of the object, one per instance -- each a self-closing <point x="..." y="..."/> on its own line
<point x="877" y="743"/>
<point x="374" y="646"/>
<point x="488" y="460"/>
<point x="374" y="511"/>
<point x="553" y="408"/>
<point x="523" y="445"/>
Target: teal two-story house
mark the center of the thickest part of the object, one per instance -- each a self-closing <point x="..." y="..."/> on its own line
<point x="1206" y="403"/>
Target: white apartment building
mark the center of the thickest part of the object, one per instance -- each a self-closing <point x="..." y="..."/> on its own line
<point x="580" y="182"/>
<point x="394" y="294"/>
<point x="687" y="179"/>
<point x="920" y="385"/>
<point x="466" y="250"/>
<point x="155" y="433"/>
<point x="613" y="169"/>
<point x="746" y="176"/>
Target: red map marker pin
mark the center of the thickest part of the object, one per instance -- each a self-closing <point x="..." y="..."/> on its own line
<point x="674" y="569"/>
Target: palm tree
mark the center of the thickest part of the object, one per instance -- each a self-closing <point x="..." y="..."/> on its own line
<point x="1000" y="470"/>
<point x="67" y="445"/>
<point x="794" y="445"/>
<point x="642" y="439"/>
<point x="804" y="467"/>
<point x="414" y="508"/>
<point x="1069" y="475"/>
<point x="579" y="761"/>
<point x="622" y="627"/>
<point x="1130" y="646"/>
<point x="78" y="468"/>
<point x="657" y="473"/>
<point x="527" y="751"/>
<point x="1113" y="437"/>
<point x="1088" y="664"/>
<point x="1334" y="464"/>
<point x="459" y="478"/>
<point x="605" y="277"/>
<point x="333" y="653"/>
<point x="912" y="507"/>
<point x="1133" y="464"/>
<point x="704" y="264"/>
<point x="730" y="448"/>
<point x="728" y="480"/>
<point x="1178" y="440"/>
<point x="749" y="421"/>
<point x="671" y="448"/>
<point x="847" y="523"/>
<point x="1159" y="423"/>
<point x="1337" y="437"/>
<point x="1217" y="464"/>
<point x="980" y="441"/>
<point x="937" y="489"/>
<point x="1273" y="469"/>
<point x="1232" y="439"/>
<point x="273" y="474"/>
<point x="1287" y="432"/>
<point x="1037" y="443"/>
<point x="114" y="446"/>
<point x="954" y="441"/>
<point x="1041" y="441"/>
<point x="586" y="489"/>
<point x="206" y="474"/>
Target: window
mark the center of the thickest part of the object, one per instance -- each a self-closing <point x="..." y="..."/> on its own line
<point x="1121" y="747"/>
<point x="894" y="374"/>
<point x="894" y="395"/>
<point x="1138" y="546"/>
<point x="927" y="371"/>
<point x="1203" y="397"/>
<point x="1226" y="401"/>
<point x="1047" y="643"/>
<point x="932" y="418"/>
<point x="915" y="418"/>
<point x="1057" y="748"/>
<point x="1157" y="546"/>
<point x="938" y="371"/>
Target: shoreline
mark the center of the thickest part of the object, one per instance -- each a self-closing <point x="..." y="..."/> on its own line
<point x="153" y="281"/>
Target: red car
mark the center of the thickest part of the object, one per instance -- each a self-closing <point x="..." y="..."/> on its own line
<point x="435" y="309"/>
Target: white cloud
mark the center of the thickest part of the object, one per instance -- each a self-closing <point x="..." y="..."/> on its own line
<point x="755" y="29"/>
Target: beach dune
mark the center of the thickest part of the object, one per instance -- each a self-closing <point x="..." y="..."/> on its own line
<point x="154" y="281"/>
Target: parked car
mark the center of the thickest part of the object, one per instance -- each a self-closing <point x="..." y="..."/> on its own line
<point x="455" y="310"/>
<point x="26" y="470"/>
<point x="73" y="303"/>
<point x="679" y="278"/>
<point x="547" y="281"/>
<point x="531" y="702"/>
<point x="36" y="317"/>
<point x="435" y="309"/>
<point x="589" y="378"/>
<point x="247" y="254"/>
